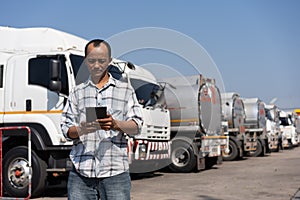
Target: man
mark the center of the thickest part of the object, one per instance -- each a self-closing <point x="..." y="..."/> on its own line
<point x="99" y="154"/>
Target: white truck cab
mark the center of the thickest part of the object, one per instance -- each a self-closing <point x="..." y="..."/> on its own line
<point x="272" y="126"/>
<point x="289" y="135"/>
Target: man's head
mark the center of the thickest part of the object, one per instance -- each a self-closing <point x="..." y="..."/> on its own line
<point x="96" y="43"/>
<point x="97" y="58"/>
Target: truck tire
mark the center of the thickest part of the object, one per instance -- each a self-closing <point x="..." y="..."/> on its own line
<point x="258" y="151"/>
<point x="183" y="158"/>
<point x="16" y="171"/>
<point x="233" y="152"/>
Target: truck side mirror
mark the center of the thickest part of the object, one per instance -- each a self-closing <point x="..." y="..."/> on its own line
<point x="55" y="75"/>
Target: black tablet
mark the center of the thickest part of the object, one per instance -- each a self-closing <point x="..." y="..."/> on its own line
<point x="93" y="113"/>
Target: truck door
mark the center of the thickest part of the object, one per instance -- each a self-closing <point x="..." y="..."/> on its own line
<point x="31" y="100"/>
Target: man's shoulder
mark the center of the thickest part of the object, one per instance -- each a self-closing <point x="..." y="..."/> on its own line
<point x="120" y="83"/>
<point x="80" y="86"/>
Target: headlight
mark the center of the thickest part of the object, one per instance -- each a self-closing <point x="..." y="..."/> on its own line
<point x="142" y="150"/>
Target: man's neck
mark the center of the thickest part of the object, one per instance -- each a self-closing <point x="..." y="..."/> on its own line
<point x="102" y="81"/>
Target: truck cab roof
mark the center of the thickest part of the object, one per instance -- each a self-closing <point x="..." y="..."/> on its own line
<point x="14" y="40"/>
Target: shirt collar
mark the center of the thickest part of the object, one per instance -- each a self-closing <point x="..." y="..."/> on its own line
<point x="111" y="81"/>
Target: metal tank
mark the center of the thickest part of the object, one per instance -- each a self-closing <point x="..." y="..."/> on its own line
<point x="233" y="109"/>
<point x="255" y="113"/>
<point x="194" y="105"/>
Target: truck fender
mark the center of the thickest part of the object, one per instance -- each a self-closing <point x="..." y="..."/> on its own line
<point x="37" y="139"/>
<point x="236" y="141"/>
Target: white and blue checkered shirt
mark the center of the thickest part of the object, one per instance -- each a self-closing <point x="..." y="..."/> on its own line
<point x="102" y="153"/>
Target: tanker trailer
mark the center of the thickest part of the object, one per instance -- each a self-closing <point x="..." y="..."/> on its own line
<point x="234" y="115"/>
<point x="255" y="123"/>
<point x="273" y="126"/>
<point x="195" y="108"/>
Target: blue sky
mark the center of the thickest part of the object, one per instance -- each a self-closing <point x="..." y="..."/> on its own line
<point x="254" y="44"/>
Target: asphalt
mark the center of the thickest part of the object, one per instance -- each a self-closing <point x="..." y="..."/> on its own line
<point x="297" y="195"/>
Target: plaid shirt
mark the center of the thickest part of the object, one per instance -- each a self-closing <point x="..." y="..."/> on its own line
<point x="102" y="153"/>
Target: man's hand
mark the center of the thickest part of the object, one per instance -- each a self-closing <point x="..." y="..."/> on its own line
<point x="107" y="123"/>
<point x="86" y="128"/>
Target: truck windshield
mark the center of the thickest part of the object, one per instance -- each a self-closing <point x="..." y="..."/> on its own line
<point x="269" y="115"/>
<point x="284" y="121"/>
<point x="145" y="92"/>
<point x="81" y="72"/>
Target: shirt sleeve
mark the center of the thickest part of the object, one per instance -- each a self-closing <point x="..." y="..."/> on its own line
<point x="134" y="110"/>
<point x="69" y="114"/>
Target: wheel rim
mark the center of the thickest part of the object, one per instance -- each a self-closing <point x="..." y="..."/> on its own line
<point x="18" y="173"/>
<point x="181" y="157"/>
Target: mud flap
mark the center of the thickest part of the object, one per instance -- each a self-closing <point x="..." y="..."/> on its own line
<point x="241" y="152"/>
<point x="220" y="160"/>
<point x="268" y="149"/>
<point x="200" y="163"/>
<point x="264" y="147"/>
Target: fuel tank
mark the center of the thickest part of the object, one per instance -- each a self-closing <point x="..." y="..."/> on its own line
<point x="233" y="109"/>
<point x="255" y="113"/>
<point x="194" y="103"/>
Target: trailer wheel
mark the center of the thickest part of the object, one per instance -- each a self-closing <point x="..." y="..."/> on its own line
<point x="258" y="151"/>
<point x="16" y="172"/>
<point x="233" y="152"/>
<point x="183" y="158"/>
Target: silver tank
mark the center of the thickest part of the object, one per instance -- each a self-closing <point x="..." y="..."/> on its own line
<point x="233" y="109"/>
<point x="255" y="113"/>
<point x="194" y="103"/>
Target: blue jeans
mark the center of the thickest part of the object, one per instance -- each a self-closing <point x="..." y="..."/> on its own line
<point x="110" y="188"/>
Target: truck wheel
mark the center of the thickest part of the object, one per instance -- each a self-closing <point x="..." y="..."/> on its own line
<point x="233" y="152"/>
<point x="258" y="151"/>
<point x="16" y="172"/>
<point x="183" y="158"/>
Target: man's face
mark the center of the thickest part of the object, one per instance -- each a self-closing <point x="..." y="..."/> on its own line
<point x="97" y="61"/>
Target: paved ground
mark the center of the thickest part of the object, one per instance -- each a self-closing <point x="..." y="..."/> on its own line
<point x="274" y="177"/>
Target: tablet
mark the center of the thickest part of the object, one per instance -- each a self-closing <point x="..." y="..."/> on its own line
<point x="94" y="113"/>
